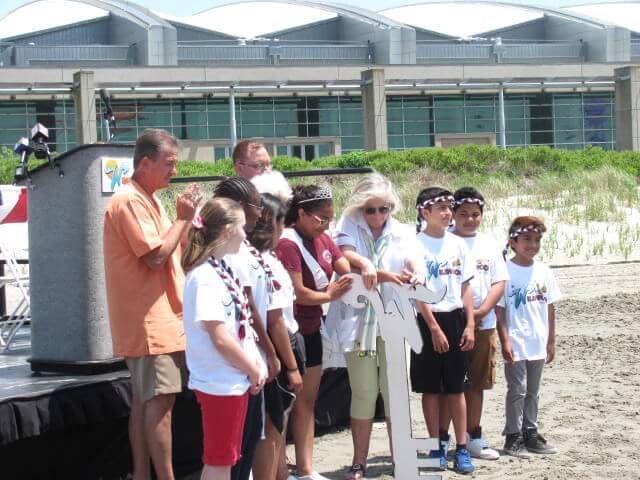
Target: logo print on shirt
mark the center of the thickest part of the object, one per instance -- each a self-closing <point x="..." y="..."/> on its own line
<point x="435" y="268"/>
<point x="482" y="265"/>
<point x="522" y="296"/>
<point x="327" y="257"/>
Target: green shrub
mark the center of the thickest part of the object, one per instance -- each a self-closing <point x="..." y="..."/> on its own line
<point x="474" y="160"/>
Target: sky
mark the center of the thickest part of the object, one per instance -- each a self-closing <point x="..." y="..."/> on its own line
<point x="194" y="6"/>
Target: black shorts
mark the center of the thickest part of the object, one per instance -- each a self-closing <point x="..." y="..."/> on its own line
<point x="433" y="372"/>
<point x="278" y="399"/>
<point x="313" y="349"/>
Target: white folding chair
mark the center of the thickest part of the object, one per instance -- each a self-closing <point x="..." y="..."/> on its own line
<point x="17" y="278"/>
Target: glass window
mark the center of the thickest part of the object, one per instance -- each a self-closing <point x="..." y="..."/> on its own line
<point x="448" y="114"/>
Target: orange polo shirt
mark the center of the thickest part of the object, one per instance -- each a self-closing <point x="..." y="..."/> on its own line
<point x="145" y="305"/>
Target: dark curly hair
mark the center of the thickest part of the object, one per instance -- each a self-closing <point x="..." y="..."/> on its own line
<point x="301" y="193"/>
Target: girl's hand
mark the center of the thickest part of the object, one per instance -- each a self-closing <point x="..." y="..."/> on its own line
<point x="338" y="288"/>
<point x="295" y="380"/>
<point x="257" y="378"/>
<point x="439" y="340"/>
<point x="273" y="367"/>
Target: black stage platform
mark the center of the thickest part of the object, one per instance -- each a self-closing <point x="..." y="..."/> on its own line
<point x="55" y="426"/>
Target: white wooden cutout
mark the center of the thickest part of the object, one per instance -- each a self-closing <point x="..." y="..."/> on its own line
<point x="397" y="323"/>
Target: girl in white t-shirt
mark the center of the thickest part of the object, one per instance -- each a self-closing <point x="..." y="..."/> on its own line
<point x="526" y="326"/>
<point x="222" y="356"/>
<point x="280" y="392"/>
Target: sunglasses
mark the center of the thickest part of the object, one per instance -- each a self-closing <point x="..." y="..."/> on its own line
<point x="321" y="221"/>
<point x="259" y="208"/>
<point x="372" y="210"/>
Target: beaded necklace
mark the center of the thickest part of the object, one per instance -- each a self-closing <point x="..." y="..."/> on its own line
<point x="273" y="284"/>
<point x="238" y="297"/>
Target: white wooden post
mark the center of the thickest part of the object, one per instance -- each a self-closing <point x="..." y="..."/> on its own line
<point x="397" y="323"/>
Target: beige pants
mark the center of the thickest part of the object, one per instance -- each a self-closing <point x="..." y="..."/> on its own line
<point x="368" y="377"/>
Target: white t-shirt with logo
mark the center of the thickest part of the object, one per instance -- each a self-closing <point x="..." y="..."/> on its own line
<point x="206" y="298"/>
<point x="528" y="293"/>
<point x="446" y="262"/>
<point x="250" y="273"/>
<point x="284" y="297"/>
<point x="490" y="268"/>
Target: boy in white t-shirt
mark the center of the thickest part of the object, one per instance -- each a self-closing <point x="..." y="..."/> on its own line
<point x="447" y="328"/>
<point x="526" y="325"/>
<point x="487" y="287"/>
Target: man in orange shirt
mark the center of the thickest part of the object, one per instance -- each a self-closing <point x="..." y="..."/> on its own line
<point x="144" y="294"/>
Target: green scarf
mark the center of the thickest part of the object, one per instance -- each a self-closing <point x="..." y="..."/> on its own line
<point x="366" y="342"/>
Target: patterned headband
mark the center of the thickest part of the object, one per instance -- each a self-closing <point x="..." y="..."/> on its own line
<point x="433" y="201"/>
<point x="526" y="229"/>
<point x="324" y="193"/>
<point x="469" y="200"/>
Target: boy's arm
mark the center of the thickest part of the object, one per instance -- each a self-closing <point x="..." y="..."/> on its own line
<point x="493" y="297"/>
<point x="551" y="342"/>
<point x="507" y="351"/>
<point x="468" y="336"/>
<point x="438" y="338"/>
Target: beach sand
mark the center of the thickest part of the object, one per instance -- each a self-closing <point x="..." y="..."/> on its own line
<point x="590" y="395"/>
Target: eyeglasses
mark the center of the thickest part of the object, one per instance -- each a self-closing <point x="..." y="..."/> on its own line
<point x="321" y="221"/>
<point x="371" y="210"/>
<point x="259" y="208"/>
<point x="258" y="167"/>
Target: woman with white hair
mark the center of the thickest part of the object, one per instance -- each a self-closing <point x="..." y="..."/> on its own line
<point x="382" y="250"/>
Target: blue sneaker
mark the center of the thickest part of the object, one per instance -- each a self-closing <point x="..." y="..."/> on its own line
<point x="462" y="461"/>
<point x="443" y="459"/>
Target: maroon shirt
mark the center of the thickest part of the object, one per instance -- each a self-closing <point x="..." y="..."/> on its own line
<point x="326" y="254"/>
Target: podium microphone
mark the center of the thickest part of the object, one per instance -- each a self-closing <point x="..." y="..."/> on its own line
<point x="23" y="149"/>
<point x="109" y="117"/>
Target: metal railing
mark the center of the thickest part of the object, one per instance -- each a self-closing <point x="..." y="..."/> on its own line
<point x="274" y="53"/>
<point x="503" y="51"/>
<point x="543" y="51"/>
<point x="452" y="52"/>
<point x="635" y="49"/>
<point x="49" y="55"/>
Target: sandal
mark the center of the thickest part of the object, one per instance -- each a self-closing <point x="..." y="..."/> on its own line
<point x="356" y="472"/>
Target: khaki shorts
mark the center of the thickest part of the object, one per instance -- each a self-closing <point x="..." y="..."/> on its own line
<point x="482" y="360"/>
<point x="154" y="375"/>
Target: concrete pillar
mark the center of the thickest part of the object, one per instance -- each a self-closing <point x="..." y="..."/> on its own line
<point x="627" y="108"/>
<point x="374" y="110"/>
<point x="84" y="99"/>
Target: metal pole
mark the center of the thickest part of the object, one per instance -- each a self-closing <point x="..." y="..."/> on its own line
<point x="503" y="125"/>
<point x="232" y="116"/>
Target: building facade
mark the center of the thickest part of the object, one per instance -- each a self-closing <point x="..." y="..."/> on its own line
<point x="295" y="74"/>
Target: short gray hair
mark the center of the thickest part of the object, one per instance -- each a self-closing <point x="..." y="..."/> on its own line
<point x="372" y="186"/>
<point x="150" y="142"/>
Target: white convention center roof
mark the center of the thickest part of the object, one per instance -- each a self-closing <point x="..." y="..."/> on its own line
<point x="459" y="19"/>
<point x="255" y="19"/>
<point x="623" y="14"/>
<point x="46" y="14"/>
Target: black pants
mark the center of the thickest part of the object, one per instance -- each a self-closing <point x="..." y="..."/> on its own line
<point x="250" y="438"/>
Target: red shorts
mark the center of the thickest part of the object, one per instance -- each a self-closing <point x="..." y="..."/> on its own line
<point x="222" y="424"/>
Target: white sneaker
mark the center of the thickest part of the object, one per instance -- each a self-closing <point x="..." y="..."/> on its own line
<point x="313" y="476"/>
<point x="478" y="448"/>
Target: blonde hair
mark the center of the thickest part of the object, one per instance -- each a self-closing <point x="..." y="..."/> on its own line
<point x="372" y="186"/>
<point x="216" y="214"/>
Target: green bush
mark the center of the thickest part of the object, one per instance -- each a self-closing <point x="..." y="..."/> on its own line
<point x="475" y="160"/>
